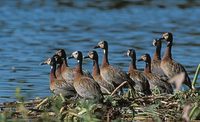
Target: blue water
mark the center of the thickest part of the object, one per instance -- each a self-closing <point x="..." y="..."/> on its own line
<point x="31" y="30"/>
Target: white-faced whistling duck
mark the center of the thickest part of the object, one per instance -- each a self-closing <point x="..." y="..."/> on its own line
<point x="85" y="86"/>
<point x="155" y="80"/>
<point x="155" y="64"/>
<point x="57" y="83"/>
<point x="170" y="67"/>
<point x="142" y="84"/>
<point x="110" y="73"/>
<point x="106" y="87"/>
<point x="66" y="71"/>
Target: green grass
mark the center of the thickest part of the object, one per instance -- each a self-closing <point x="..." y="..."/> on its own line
<point x="194" y="81"/>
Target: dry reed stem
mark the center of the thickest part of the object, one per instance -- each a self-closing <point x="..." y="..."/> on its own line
<point x="118" y="87"/>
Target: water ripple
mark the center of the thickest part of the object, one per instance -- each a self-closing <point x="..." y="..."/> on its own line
<point x="31" y="31"/>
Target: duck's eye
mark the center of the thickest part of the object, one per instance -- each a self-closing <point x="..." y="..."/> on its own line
<point x="75" y="53"/>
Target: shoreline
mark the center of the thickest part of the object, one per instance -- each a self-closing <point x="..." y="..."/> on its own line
<point x="156" y="107"/>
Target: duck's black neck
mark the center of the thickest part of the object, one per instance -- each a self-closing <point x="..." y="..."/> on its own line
<point x="53" y="72"/>
<point x="64" y="64"/>
<point x="132" y="65"/>
<point x="96" y="70"/>
<point x="157" y="53"/>
<point x="105" y="58"/>
<point x="78" y="68"/>
<point x="168" y="54"/>
<point x="147" y="68"/>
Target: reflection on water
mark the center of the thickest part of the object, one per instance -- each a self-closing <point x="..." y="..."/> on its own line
<point x="31" y="30"/>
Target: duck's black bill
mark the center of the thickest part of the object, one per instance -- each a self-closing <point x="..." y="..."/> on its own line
<point x="70" y="57"/>
<point x="96" y="47"/>
<point x="43" y="63"/>
<point x="161" y="39"/>
<point x="84" y="57"/>
<point x="139" y="60"/>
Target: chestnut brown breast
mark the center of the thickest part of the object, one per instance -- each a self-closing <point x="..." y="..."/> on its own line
<point x="85" y="86"/>
<point x="106" y="87"/>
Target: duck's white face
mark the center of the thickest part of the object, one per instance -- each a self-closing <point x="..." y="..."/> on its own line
<point x="101" y="44"/>
<point x="59" y="53"/>
<point x="75" y="54"/>
<point x="48" y="61"/>
<point x="166" y="36"/>
<point x="91" y="55"/>
<point x="144" y="58"/>
<point x="154" y="42"/>
<point x="157" y="42"/>
<point x="128" y="53"/>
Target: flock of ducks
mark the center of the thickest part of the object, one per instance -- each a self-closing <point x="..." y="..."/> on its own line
<point x="76" y="82"/>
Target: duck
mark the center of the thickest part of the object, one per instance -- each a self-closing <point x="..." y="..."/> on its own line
<point x="106" y="87"/>
<point x="169" y="66"/>
<point x="57" y="84"/>
<point x="155" y="65"/>
<point x="155" y="80"/>
<point x="66" y="71"/>
<point x="142" y="84"/>
<point x="85" y="86"/>
<point x="110" y="73"/>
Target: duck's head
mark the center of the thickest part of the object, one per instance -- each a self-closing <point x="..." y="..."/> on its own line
<point x="131" y="53"/>
<point x="157" y="42"/>
<point x="168" y="37"/>
<point x="146" y="58"/>
<point x="102" y="45"/>
<point x="92" y="55"/>
<point x="61" y="53"/>
<point x="55" y="59"/>
<point x="76" y="55"/>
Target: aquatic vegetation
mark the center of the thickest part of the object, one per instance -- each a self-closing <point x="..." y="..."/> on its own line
<point x="194" y="81"/>
<point x="182" y="105"/>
